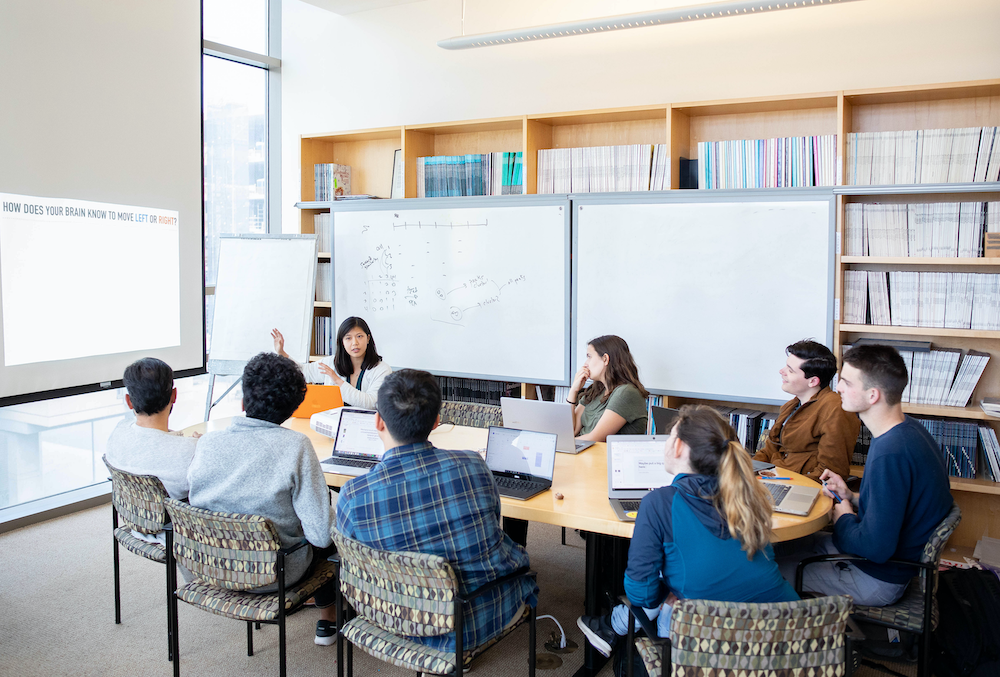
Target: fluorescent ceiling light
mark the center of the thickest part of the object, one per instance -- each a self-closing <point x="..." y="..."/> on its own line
<point x="639" y="20"/>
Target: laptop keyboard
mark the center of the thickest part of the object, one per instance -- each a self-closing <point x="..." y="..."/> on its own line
<point x="352" y="463"/>
<point x="516" y="485"/>
<point x="778" y="491"/>
<point x="629" y="506"/>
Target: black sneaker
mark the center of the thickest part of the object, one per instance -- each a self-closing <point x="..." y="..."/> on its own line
<point x="326" y="633"/>
<point x="599" y="633"/>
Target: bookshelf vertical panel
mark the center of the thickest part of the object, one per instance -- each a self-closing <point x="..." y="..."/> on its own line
<point x="415" y="144"/>
<point x="537" y="135"/>
<point x="679" y="140"/>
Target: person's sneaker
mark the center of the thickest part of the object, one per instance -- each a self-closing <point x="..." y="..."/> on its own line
<point x="326" y="633"/>
<point x="599" y="633"/>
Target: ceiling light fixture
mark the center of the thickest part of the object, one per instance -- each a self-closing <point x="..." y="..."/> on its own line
<point x="612" y="23"/>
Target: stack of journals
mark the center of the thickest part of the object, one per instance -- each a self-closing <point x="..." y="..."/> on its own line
<point x="936" y="229"/>
<point x="472" y="174"/>
<point x="923" y="156"/>
<point x="768" y="163"/>
<point x="324" y="281"/>
<point x="943" y="377"/>
<point x="323" y="227"/>
<point x="331" y="180"/>
<point x="959" y="441"/>
<point x="915" y="299"/>
<point x="991" y="452"/>
<point x="476" y="390"/>
<point x="751" y="426"/>
<point x="603" y="169"/>
<point x="322" y="335"/>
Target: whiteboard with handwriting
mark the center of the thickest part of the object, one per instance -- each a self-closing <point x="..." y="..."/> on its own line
<point x="478" y="290"/>
<point x="706" y="287"/>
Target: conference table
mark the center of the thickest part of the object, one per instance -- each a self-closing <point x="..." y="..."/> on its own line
<point x="582" y="482"/>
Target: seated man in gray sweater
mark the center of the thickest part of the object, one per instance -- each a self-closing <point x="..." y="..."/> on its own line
<point x="257" y="467"/>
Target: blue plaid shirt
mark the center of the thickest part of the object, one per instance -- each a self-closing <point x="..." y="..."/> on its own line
<point x="440" y="502"/>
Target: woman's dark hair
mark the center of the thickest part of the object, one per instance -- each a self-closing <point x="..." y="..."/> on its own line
<point x="621" y="368"/>
<point x="150" y="383"/>
<point x="341" y="360"/>
<point x="273" y="387"/>
<point x="715" y="450"/>
<point x="409" y="402"/>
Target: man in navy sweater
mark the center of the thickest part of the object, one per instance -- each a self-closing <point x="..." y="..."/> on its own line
<point x="904" y="493"/>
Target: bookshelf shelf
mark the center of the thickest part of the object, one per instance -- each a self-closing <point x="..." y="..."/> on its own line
<point x="917" y="331"/>
<point x="920" y="261"/>
<point x="927" y="189"/>
<point x="323" y="255"/>
<point x="973" y="412"/>
<point x="957" y="483"/>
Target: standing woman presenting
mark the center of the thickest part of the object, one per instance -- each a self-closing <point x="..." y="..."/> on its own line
<point x="356" y="365"/>
<point x="615" y="403"/>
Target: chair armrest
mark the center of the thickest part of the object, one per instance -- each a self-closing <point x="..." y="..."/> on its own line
<point x="930" y="566"/>
<point x="640" y="615"/>
<point x="523" y="572"/>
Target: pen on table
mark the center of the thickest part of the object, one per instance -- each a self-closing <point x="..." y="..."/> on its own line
<point x="835" y="496"/>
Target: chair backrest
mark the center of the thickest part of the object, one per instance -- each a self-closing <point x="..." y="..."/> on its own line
<point x="940" y="535"/>
<point x="405" y="593"/>
<point x="138" y="500"/>
<point x="787" y="638"/>
<point x="227" y="550"/>
<point x="471" y="414"/>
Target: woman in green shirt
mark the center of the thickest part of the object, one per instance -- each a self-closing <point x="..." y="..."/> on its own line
<point x="615" y="403"/>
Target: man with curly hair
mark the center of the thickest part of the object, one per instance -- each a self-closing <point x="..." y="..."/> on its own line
<point x="257" y="467"/>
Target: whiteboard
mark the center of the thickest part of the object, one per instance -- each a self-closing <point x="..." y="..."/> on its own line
<point x="474" y="287"/>
<point x="265" y="281"/>
<point x="707" y="289"/>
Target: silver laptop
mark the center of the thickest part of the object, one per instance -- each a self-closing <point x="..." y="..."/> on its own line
<point x="791" y="498"/>
<point x="522" y="461"/>
<point x="548" y="417"/>
<point x="356" y="445"/>
<point x="635" y="467"/>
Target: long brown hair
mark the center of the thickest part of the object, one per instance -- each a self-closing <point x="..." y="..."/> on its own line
<point x="715" y="450"/>
<point x="621" y="368"/>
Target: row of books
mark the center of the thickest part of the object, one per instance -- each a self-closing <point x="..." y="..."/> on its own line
<point x="768" y="163"/>
<point x="476" y="390"/>
<point x="991" y="452"/>
<point x="331" y="180"/>
<point x="959" y="442"/>
<point x="751" y="426"/>
<point x="604" y="169"/>
<point x="324" y="281"/>
<point x="933" y="229"/>
<point x="960" y="155"/>
<point x="323" y="227"/>
<point x="322" y="335"/>
<point x="943" y="376"/>
<point x="916" y="299"/>
<point x="471" y="174"/>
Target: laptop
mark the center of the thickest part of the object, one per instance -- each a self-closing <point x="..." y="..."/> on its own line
<point x="550" y="417"/>
<point x="791" y="498"/>
<point x="635" y="467"/>
<point x="522" y="461"/>
<point x="356" y="445"/>
<point x="319" y="398"/>
<point x="663" y="423"/>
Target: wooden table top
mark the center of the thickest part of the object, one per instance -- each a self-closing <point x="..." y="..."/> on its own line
<point x="582" y="479"/>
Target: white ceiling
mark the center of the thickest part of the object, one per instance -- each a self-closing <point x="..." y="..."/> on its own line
<point x="353" y="6"/>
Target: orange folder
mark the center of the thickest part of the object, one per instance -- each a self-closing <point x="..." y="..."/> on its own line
<point x="319" y="398"/>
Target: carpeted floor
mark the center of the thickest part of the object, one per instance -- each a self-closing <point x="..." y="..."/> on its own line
<point x="57" y="601"/>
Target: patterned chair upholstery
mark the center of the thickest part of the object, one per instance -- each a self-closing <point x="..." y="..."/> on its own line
<point x="230" y="554"/>
<point x="471" y="414"/>
<point x="398" y="595"/>
<point x="780" y="639"/>
<point x="138" y="501"/>
<point x="916" y="611"/>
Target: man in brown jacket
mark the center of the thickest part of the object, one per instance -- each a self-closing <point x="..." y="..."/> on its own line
<point x="812" y="431"/>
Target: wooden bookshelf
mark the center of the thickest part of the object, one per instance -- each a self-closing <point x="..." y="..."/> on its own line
<point x="681" y="126"/>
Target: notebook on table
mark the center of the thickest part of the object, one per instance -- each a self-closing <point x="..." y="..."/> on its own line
<point x="791" y="498"/>
<point x="635" y="467"/>
<point x="356" y="445"/>
<point x="522" y="461"/>
<point x="549" y="417"/>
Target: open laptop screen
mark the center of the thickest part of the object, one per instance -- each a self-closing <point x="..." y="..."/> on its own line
<point x="356" y="435"/>
<point x="638" y="464"/>
<point x="521" y="452"/>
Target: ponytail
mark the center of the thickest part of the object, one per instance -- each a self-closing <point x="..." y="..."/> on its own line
<point x="743" y="500"/>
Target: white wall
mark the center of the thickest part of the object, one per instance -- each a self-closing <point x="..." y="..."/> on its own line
<point x="383" y="67"/>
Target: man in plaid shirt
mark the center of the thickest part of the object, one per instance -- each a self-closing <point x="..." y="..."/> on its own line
<point x="435" y="501"/>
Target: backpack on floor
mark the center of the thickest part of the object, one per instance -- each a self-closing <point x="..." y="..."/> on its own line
<point x="967" y="639"/>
